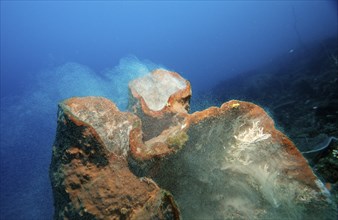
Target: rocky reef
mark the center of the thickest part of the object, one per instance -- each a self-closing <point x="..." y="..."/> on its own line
<point x="157" y="161"/>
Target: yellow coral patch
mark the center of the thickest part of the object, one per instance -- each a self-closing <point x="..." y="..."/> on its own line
<point x="178" y="140"/>
<point x="235" y="105"/>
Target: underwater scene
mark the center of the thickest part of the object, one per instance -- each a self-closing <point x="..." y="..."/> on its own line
<point x="193" y="110"/>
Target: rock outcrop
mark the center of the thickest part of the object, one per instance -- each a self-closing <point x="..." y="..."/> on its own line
<point x="89" y="170"/>
<point x="161" y="99"/>
<point x="160" y="162"/>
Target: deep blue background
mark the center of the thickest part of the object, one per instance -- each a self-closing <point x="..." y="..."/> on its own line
<point x="54" y="50"/>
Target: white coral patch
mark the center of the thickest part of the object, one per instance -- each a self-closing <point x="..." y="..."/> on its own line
<point x="157" y="88"/>
<point x="252" y="135"/>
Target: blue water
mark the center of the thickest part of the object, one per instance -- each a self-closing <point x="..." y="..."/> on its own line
<point x="54" y="50"/>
